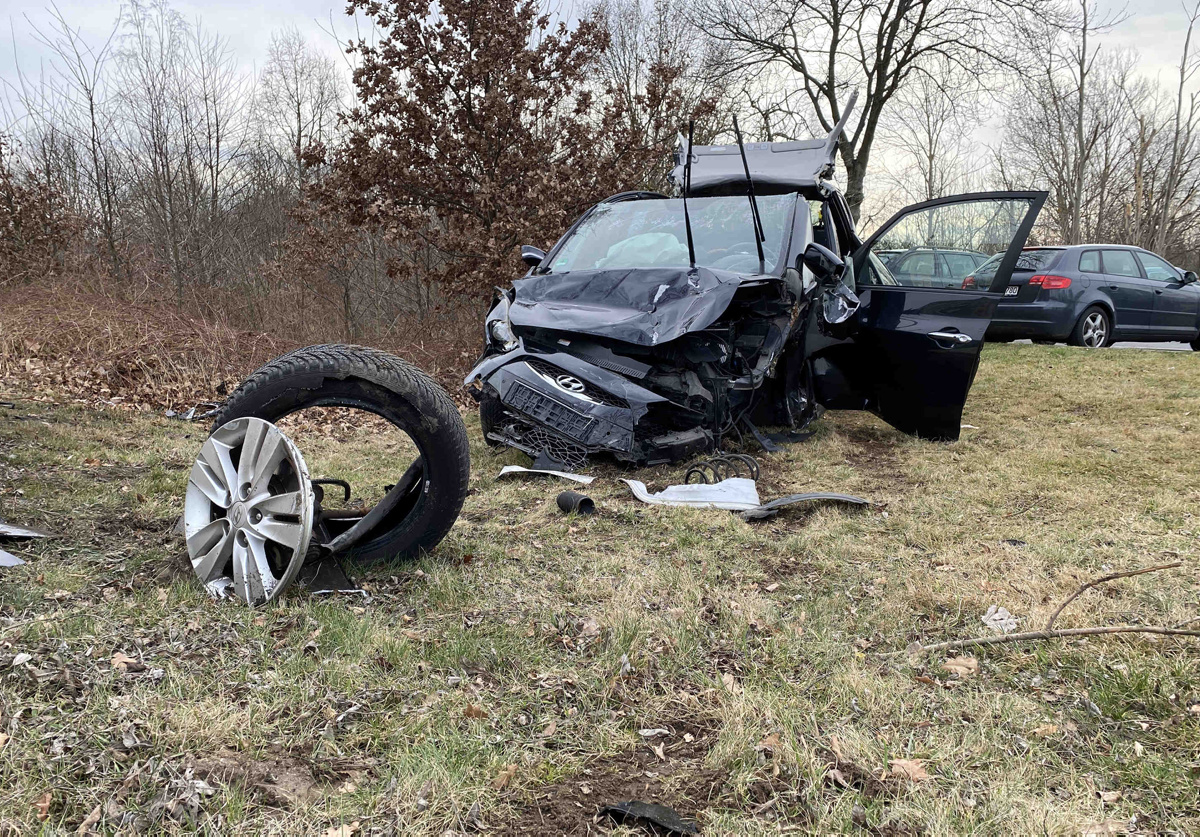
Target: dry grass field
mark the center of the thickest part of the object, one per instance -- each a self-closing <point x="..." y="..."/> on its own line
<point x="502" y="684"/>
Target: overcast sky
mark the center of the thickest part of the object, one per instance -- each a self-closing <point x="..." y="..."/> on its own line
<point x="1155" y="28"/>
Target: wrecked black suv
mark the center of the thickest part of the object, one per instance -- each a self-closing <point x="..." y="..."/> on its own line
<point x="657" y="327"/>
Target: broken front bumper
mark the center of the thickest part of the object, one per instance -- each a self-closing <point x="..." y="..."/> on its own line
<point x="562" y="405"/>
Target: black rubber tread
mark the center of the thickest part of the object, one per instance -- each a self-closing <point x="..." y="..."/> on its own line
<point x="1076" y="338"/>
<point x="358" y="376"/>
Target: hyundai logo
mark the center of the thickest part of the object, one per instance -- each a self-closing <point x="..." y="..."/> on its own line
<point x="569" y="383"/>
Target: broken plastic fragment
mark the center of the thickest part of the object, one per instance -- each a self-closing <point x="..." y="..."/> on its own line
<point x="518" y="469"/>
<point x="12" y="532"/>
<point x="7" y="559"/>
<point x="735" y="494"/>
<point x="1000" y="620"/>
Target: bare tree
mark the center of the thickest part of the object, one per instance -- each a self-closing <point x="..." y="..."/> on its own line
<point x="300" y="93"/>
<point x="830" y="47"/>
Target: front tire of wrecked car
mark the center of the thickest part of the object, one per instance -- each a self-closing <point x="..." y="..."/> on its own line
<point x="375" y="382"/>
<point x="491" y="413"/>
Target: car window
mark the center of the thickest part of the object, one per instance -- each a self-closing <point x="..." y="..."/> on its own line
<point x="958" y="265"/>
<point x="1089" y="262"/>
<point x="652" y="233"/>
<point x="1120" y="263"/>
<point x="964" y="233"/>
<point x="916" y="264"/>
<point x="1160" y="270"/>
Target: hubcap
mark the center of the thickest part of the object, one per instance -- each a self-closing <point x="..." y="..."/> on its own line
<point x="1095" y="330"/>
<point x="248" y="513"/>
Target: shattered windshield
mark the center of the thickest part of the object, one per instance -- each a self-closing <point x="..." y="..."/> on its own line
<point x="651" y="233"/>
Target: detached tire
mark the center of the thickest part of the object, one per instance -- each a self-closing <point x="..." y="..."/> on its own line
<point x="383" y="384"/>
<point x="1094" y="329"/>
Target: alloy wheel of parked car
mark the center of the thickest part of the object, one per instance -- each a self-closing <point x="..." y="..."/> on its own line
<point x="1093" y="329"/>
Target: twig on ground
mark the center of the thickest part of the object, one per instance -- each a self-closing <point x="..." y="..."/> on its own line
<point x="1049" y="633"/>
<point x="1061" y="632"/>
<point x="1113" y="577"/>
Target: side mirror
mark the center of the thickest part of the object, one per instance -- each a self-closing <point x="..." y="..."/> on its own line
<point x="531" y="255"/>
<point x="1189" y="276"/>
<point x="825" y="264"/>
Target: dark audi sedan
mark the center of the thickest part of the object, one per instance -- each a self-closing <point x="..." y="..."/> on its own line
<point x="1093" y="294"/>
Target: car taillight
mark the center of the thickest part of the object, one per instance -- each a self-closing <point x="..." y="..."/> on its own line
<point x="1051" y="282"/>
<point x="969" y="282"/>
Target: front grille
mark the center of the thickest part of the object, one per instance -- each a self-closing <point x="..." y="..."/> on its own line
<point x="546" y="410"/>
<point x="550" y="372"/>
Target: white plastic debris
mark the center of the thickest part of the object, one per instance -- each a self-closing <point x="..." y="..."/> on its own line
<point x="1000" y="620"/>
<point x="518" y="469"/>
<point x="735" y="494"/>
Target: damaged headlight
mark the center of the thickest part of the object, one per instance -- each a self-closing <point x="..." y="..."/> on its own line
<point x="502" y="336"/>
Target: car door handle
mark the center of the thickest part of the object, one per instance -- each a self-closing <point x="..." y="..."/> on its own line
<point x="1158" y="290"/>
<point x="1112" y="287"/>
<point x="950" y="335"/>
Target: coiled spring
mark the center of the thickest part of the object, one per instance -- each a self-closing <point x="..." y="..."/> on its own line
<point x="713" y="470"/>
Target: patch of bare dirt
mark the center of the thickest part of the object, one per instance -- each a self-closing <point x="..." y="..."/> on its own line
<point x="282" y="781"/>
<point x="679" y="780"/>
<point x="874" y="454"/>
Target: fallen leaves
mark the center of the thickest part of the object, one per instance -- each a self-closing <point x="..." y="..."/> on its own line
<point x="42" y="806"/>
<point x="506" y="775"/>
<point x="473" y="710"/>
<point x="344" y="830"/>
<point x="961" y="666"/>
<point x="910" y="769"/>
<point x="1045" y="730"/>
<point x="123" y="662"/>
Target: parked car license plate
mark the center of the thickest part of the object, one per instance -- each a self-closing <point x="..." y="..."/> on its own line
<point x="1012" y="290"/>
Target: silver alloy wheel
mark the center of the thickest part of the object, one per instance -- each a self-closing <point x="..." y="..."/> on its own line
<point x="1095" y="330"/>
<point x="248" y="512"/>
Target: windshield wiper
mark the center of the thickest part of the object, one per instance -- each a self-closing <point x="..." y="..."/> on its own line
<point x="759" y="236"/>
<point x="687" y="187"/>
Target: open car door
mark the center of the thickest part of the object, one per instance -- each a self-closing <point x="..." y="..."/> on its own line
<point x="918" y="338"/>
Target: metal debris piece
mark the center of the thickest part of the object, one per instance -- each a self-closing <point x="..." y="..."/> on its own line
<point x="7" y="559"/>
<point x="191" y="414"/>
<point x="10" y="531"/>
<point x="773" y="507"/>
<point x="716" y="468"/>
<point x="328" y="576"/>
<point x="650" y="816"/>
<point x="573" y="501"/>
<point x="517" y="469"/>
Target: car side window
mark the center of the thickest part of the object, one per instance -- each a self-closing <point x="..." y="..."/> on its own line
<point x="959" y="266"/>
<point x="918" y="264"/>
<point x="1160" y="270"/>
<point x="1089" y="262"/>
<point x="1120" y="263"/>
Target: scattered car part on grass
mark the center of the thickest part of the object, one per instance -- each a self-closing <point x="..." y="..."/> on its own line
<point x="509" y="470"/>
<point x="254" y="518"/>
<point x="191" y="413"/>
<point x="736" y="494"/>
<point x="10" y="531"/>
<point x="657" y="819"/>
<point x="574" y="502"/>
<point x="7" y="559"/>
<point x="714" y="469"/>
<point x="733" y="494"/>
<point x="626" y="342"/>
<point x="774" y="506"/>
<point x="248" y="512"/>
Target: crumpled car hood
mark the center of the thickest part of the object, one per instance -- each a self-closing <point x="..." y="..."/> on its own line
<point x="644" y="306"/>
